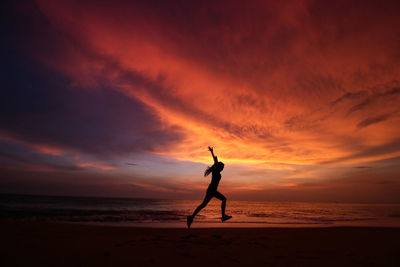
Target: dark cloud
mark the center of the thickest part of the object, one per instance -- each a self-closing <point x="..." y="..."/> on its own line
<point x="15" y="156"/>
<point x="38" y="105"/>
<point x="380" y="150"/>
<point x="373" y="120"/>
<point x="373" y="98"/>
<point x="349" y="95"/>
<point x="99" y="122"/>
<point x="360" y="106"/>
<point x="391" y="92"/>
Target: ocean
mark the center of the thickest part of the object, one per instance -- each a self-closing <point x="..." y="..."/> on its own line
<point x="172" y="213"/>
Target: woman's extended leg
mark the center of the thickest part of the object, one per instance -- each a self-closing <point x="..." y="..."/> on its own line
<point x="223" y="204"/>
<point x="203" y="204"/>
<point x="207" y="199"/>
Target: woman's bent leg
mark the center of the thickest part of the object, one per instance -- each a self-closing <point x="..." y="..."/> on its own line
<point x="223" y="204"/>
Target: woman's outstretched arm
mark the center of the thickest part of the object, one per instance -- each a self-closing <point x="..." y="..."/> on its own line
<point x="212" y="153"/>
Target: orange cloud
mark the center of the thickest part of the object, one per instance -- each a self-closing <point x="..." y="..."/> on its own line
<point x="96" y="165"/>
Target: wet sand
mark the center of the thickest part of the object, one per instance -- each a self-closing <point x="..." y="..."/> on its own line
<point x="62" y="244"/>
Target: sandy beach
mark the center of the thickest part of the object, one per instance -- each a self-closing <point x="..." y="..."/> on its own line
<point x="62" y="244"/>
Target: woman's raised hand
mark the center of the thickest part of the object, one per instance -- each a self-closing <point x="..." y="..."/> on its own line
<point x="211" y="148"/>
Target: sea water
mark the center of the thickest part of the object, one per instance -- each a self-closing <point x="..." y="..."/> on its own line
<point x="172" y="213"/>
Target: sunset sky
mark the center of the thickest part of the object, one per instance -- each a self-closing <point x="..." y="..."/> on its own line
<point x="300" y="99"/>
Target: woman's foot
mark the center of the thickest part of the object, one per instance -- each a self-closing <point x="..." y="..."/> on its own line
<point x="225" y="218"/>
<point x="189" y="221"/>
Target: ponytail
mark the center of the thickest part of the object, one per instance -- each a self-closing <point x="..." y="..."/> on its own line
<point x="208" y="170"/>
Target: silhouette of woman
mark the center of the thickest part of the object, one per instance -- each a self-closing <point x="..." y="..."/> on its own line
<point x="216" y="170"/>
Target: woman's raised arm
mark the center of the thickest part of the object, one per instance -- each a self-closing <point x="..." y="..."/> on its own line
<point x="212" y="153"/>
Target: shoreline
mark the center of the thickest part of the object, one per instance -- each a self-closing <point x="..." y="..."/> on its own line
<point x="239" y="225"/>
<point x="72" y="244"/>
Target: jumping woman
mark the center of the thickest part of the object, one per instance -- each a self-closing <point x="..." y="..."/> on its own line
<point x="216" y="170"/>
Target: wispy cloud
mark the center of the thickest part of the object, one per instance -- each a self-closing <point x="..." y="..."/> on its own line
<point x="373" y="120"/>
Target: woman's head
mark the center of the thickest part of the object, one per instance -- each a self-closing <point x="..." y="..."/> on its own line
<point x="219" y="166"/>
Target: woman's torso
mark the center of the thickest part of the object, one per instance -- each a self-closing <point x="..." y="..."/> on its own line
<point x="216" y="177"/>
